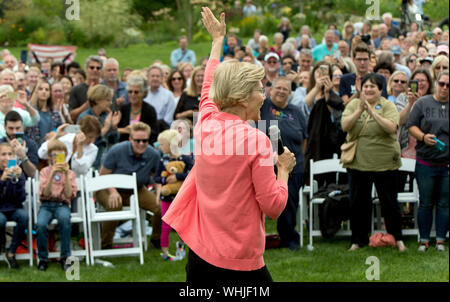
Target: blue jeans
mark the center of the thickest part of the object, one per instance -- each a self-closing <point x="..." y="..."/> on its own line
<point x="20" y="216"/>
<point x="47" y="212"/>
<point x="433" y="189"/>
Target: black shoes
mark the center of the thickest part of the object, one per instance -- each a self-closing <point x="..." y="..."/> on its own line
<point x="64" y="265"/>
<point x="12" y="263"/>
<point x="43" y="265"/>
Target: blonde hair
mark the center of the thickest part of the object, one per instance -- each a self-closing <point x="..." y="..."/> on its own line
<point x="438" y="60"/>
<point x="192" y="89"/>
<point x="6" y="87"/>
<point x="56" y="145"/>
<point x="233" y="82"/>
<point x="140" y="126"/>
<point x="389" y="85"/>
<point x="173" y="138"/>
<point x="99" y="92"/>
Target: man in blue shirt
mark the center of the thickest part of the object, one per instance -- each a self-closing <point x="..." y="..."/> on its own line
<point x="111" y="79"/>
<point x="159" y="97"/>
<point x="325" y="49"/>
<point x="182" y="54"/>
<point x="127" y="157"/>
<point x="24" y="148"/>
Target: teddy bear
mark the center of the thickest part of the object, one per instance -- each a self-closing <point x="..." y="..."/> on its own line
<point x="172" y="168"/>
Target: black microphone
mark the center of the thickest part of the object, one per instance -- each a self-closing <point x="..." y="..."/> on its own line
<point x="274" y="131"/>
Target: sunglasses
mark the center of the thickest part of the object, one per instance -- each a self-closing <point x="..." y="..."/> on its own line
<point x="133" y="91"/>
<point x="443" y="84"/>
<point x="288" y="63"/>
<point x="177" y="79"/>
<point x="272" y="62"/>
<point x="137" y="141"/>
<point x="95" y="67"/>
<point x="399" y="81"/>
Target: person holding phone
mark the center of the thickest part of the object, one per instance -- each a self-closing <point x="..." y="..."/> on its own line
<point x="427" y="122"/>
<point x="79" y="141"/>
<point x="58" y="186"/>
<point x="24" y="148"/>
<point x="12" y="195"/>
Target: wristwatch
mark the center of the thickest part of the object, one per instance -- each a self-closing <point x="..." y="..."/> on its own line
<point x="25" y="159"/>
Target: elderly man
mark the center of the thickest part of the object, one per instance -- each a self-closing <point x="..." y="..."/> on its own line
<point x="383" y="30"/>
<point x="344" y="49"/>
<point x="305" y="60"/>
<point x="10" y="62"/>
<point x="271" y="65"/>
<point x="437" y="36"/>
<point x="159" y="97"/>
<point x="111" y="79"/>
<point x="21" y="81"/>
<point x="326" y="48"/>
<point x="78" y="95"/>
<point x="393" y="30"/>
<point x="127" y="157"/>
<point x="182" y="54"/>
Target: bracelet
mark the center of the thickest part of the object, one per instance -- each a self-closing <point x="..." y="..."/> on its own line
<point x="25" y="159"/>
<point x="423" y="137"/>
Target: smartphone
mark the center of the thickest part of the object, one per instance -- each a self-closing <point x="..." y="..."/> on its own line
<point x="337" y="54"/>
<point x="114" y="107"/>
<point x="73" y="129"/>
<point x="19" y="137"/>
<point x="439" y="144"/>
<point x="324" y="69"/>
<point x="60" y="158"/>
<point x="23" y="56"/>
<point x="11" y="96"/>
<point x="12" y="163"/>
<point x="295" y="67"/>
<point x="413" y="84"/>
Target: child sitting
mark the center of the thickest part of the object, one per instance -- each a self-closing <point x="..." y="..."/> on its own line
<point x="169" y="143"/>
<point x="12" y="194"/>
<point x="57" y="188"/>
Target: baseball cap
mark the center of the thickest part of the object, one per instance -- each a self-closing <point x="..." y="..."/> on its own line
<point x="427" y="59"/>
<point x="271" y="55"/>
<point x="442" y="48"/>
<point x="396" y="50"/>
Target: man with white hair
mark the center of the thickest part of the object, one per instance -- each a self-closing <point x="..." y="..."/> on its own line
<point x="437" y="36"/>
<point x="393" y="30"/>
<point x="9" y="62"/>
<point x="159" y="97"/>
<point x="111" y="79"/>
<point x="326" y="48"/>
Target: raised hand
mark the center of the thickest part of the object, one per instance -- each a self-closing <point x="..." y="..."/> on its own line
<point x="215" y="28"/>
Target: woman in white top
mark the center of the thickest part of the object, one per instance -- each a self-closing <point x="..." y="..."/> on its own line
<point x="81" y="150"/>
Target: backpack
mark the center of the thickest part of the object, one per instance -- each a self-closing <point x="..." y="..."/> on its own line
<point x="334" y="209"/>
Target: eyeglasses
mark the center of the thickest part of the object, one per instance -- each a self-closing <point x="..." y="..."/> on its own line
<point x="443" y="84"/>
<point x="94" y="67"/>
<point x="177" y="79"/>
<point x="337" y="76"/>
<point x="288" y="63"/>
<point x="399" y="81"/>
<point x="133" y="91"/>
<point x="411" y="61"/>
<point x="144" y="141"/>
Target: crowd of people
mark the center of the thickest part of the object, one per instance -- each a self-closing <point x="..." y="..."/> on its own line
<point x="370" y="80"/>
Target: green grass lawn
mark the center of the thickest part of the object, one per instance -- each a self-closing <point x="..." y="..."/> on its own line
<point x="329" y="262"/>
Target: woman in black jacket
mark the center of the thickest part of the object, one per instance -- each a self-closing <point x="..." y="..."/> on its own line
<point x="137" y="110"/>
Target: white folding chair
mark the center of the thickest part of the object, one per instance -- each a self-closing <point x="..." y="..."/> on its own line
<point x="320" y="167"/>
<point x="95" y="218"/>
<point x="143" y="219"/>
<point x="27" y="204"/>
<point x="78" y="217"/>
<point x="408" y="165"/>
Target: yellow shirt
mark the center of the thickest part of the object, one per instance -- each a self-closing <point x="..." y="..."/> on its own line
<point x="376" y="150"/>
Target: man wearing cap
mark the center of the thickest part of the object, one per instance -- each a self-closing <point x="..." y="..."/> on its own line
<point x="397" y="52"/>
<point x="325" y="49"/>
<point x="272" y="66"/>
<point x="426" y="62"/>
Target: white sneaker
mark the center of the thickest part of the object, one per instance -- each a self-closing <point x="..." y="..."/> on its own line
<point x="354" y="247"/>
<point x="423" y="247"/>
<point x="440" y="247"/>
<point x="181" y="252"/>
